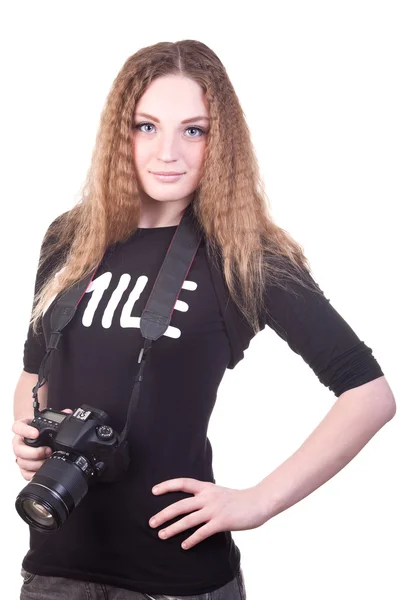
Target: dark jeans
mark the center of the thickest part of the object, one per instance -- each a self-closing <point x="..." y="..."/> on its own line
<point x="40" y="587"/>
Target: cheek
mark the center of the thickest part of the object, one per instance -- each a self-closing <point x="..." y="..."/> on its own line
<point x="196" y="158"/>
<point x="139" y="154"/>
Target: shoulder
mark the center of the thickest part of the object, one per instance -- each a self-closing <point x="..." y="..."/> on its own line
<point x="56" y="227"/>
<point x="286" y="279"/>
<point x="54" y="246"/>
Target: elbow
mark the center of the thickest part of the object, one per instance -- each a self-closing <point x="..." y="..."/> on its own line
<point x="384" y="398"/>
<point x="392" y="409"/>
<point x="388" y="400"/>
<point x="376" y="398"/>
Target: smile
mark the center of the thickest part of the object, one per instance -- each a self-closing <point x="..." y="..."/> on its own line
<point x="167" y="178"/>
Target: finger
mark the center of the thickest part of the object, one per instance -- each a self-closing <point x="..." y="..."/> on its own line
<point x="184" y="484"/>
<point x="67" y="410"/>
<point x="27" y="474"/>
<point x="192" y="520"/>
<point x="179" y="508"/>
<point x="200" y="535"/>
<point x="22" y="428"/>
<point x="29" y="465"/>
<point x="23" y="451"/>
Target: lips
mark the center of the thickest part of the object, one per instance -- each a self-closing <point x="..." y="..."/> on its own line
<point x="165" y="173"/>
<point x="169" y="177"/>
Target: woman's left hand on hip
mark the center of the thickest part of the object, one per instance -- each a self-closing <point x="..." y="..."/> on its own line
<point x="217" y="508"/>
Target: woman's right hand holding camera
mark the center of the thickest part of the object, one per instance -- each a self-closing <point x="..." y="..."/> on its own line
<point x="29" y="459"/>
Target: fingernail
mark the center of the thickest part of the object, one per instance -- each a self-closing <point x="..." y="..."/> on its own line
<point x="49" y="451"/>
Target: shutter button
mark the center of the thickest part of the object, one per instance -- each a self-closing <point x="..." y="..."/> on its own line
<point x="104" y="432"/>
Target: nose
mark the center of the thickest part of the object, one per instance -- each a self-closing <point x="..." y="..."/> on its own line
<point x="167" y="149"/>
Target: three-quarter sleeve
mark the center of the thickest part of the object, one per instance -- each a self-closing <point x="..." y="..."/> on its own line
<point x="320" y="335"/>
<point x="34" y="350"/>
<point x="35" y="345"/>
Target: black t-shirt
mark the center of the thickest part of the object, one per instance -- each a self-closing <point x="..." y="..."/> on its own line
<point x="107" y="538"/>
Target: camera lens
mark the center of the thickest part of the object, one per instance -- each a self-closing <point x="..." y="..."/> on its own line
<point x="38" y="513"/>
<point x="54" y="491"/>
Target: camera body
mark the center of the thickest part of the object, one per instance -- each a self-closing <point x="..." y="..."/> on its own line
<point x="83" y="438"/>
<point x="85" y="449"/>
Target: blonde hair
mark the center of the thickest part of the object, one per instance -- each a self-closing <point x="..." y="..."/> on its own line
<point x="230" y="202"/>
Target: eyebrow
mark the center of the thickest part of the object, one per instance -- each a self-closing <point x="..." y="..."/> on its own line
<point x="198" y="118"/>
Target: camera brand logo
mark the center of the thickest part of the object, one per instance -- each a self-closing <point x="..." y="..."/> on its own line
<point x="99" y="285"/>
<point x="81" y="414"/>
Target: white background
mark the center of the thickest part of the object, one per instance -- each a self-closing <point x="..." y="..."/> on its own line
<point x="319" y="84"/>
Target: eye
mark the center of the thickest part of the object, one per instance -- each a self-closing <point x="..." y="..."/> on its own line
<point x="140" y="125"/>
<point x="202" y="132"/>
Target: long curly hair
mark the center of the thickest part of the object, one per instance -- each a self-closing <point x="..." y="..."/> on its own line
<point x="229" y="203"/>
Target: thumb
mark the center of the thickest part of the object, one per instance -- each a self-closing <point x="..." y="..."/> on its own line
<point x="67" y="410"/>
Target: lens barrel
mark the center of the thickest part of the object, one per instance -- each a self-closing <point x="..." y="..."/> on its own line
<point x="54" y="491"/>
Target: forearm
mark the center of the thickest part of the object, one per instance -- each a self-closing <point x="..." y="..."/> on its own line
<point x="23" y="400"/>
<point x="353" y="420"/>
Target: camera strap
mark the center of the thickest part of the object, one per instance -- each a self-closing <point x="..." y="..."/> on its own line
<point x="155" y="317"/>
<point x="157" y="313"/>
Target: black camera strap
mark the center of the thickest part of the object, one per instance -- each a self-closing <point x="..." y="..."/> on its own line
<point x="155" y="317"/>
<point x="62" y="313"/>
<point x="157" y="313"/>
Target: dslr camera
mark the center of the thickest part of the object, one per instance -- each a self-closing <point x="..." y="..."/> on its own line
<point x="85" y="450"/>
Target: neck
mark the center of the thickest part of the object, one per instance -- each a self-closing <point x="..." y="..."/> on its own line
<point x="155" y="213"/>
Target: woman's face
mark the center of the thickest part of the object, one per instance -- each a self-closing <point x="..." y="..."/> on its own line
<point x="171" y="122"/>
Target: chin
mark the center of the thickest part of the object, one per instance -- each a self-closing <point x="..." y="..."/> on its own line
<point x="170" y="194"/>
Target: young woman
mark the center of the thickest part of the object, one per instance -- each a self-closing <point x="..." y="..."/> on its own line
<point x="172" y="134"/>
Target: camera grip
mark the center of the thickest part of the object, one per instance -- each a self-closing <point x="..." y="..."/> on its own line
<point x="34" y="442"/>
<point x="45" y="437"/>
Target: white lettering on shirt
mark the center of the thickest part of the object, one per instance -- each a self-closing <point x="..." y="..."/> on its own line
<point x="99" y="285"/>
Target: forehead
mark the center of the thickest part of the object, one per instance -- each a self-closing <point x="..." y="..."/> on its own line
<point x="173" y="96"/>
